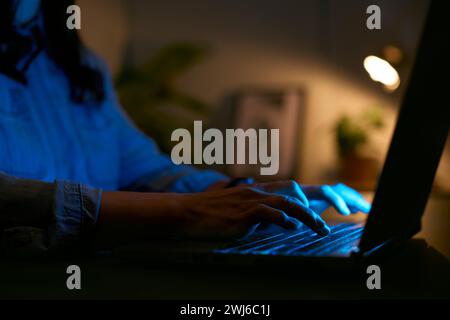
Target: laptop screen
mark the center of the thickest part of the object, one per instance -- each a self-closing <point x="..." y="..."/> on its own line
<point x="418" y="140"/>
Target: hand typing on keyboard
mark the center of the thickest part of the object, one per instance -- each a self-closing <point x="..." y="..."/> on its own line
<point x="344" y="199"/>
<point x="233" y="212"/>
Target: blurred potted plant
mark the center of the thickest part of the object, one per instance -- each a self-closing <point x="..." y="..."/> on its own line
<point x="151" y="98"/>
<point x="352" y="138"/>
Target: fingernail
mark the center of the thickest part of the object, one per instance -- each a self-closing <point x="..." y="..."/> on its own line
<point x="367" y="208"/>
<point x="346" y="211"/>
<point x="325" y="230"/>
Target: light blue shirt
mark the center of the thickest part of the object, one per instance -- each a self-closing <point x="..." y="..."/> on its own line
<point x="46" y="136"/>
<point x="81" y="149"/>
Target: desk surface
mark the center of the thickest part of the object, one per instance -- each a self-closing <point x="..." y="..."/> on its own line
<point x="418" y="271"/>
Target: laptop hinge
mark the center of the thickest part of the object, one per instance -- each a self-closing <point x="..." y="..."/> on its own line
<point x="384" y="246"/>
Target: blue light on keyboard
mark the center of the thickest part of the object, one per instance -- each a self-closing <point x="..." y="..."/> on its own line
<point x="303" y="243"/>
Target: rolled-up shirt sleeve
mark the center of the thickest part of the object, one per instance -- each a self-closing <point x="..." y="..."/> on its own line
<point x="75" y="213"/>
<point x="38" y="218"/>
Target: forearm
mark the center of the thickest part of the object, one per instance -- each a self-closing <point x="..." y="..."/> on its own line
<point x="133" y="216"/>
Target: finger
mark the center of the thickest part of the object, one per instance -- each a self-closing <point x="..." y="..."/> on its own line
<point x="297" y="192"/>
<point x="288" y="188"/>
<point x="335" y="200"/>
<point x="267" y="214"/>
<point x="300" y="212"/>
<point x="353" y="198"/>
<point x="312" y="192"/>
<point x="318" y="206"/>
<point x="359" y="208"/>
<point x="354" y="201"/>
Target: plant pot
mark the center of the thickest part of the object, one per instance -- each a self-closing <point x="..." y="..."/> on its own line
<point x="360" y="172"/>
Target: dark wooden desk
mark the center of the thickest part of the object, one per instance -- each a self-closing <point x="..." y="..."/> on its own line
<point x="418" y="271"/>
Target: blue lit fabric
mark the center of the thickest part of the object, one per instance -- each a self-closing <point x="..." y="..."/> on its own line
<point x="45" y="136"/>
<point x="79" y="149"/>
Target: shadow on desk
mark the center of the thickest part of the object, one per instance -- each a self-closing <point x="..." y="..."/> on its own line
<point x="416" y="272"/>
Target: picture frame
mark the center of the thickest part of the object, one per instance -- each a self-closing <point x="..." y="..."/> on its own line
<point x="283" y="109"/>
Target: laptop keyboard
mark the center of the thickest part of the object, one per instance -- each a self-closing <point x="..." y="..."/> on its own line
<point x="343" y="238"/>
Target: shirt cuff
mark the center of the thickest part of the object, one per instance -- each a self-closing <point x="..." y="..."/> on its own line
<point x="76" y="209"/>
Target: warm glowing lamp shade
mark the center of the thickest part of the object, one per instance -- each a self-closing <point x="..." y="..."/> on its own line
<point x="381" y="71"/>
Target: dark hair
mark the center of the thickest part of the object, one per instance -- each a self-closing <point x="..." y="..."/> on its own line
<point x="64" y="47"/>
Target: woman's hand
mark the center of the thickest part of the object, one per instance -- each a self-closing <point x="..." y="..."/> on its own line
<point x="223" y="213"/>
<point x="233" y="212"/>
<point x="236" y="211"/>
<point x="319" y="198"/>
<point x="345" y="200"/>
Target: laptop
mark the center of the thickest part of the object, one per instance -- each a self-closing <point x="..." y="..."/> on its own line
<point x="402" y="192"/>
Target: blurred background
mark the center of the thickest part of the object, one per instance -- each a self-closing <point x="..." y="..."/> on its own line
<point x="302" y="64"/>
